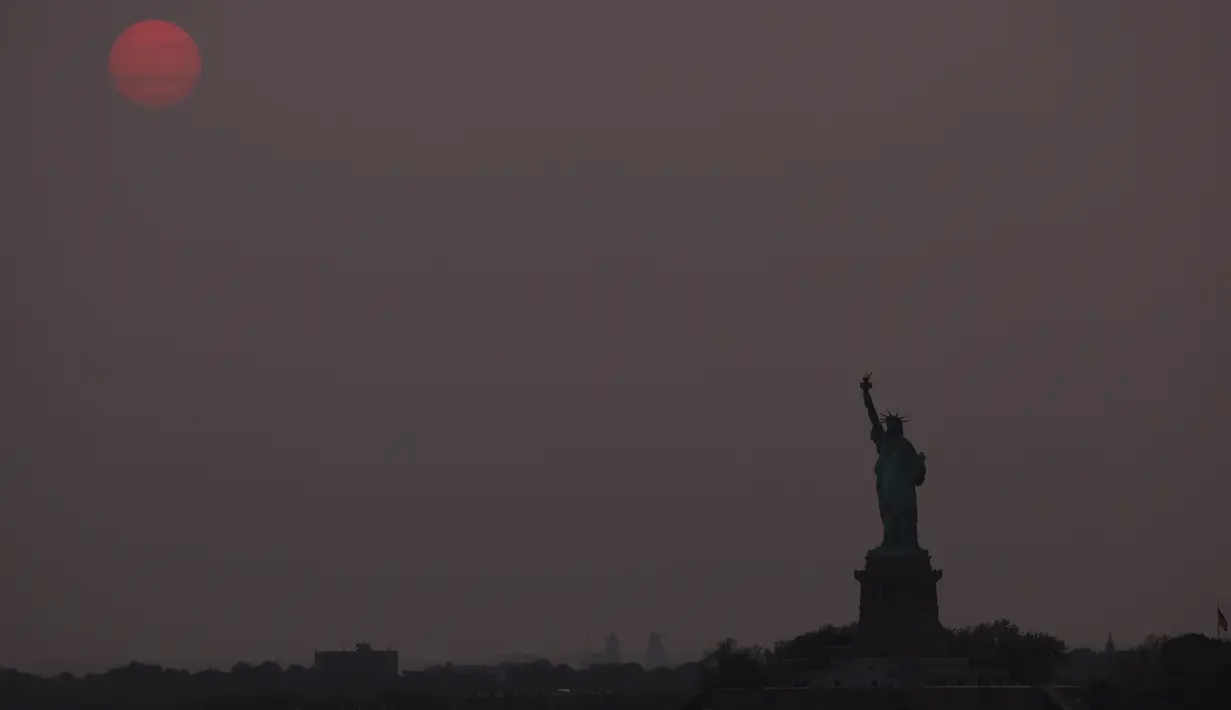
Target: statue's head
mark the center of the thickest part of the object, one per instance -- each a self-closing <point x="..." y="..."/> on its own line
<point x="893" y="423"/>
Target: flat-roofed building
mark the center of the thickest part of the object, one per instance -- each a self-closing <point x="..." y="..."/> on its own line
<point x="360" y="667"/>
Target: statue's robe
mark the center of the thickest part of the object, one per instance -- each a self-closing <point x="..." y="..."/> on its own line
<point x="898" y="470"/>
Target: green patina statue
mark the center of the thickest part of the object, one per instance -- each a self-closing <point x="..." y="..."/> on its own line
<point x="899" y="469"/>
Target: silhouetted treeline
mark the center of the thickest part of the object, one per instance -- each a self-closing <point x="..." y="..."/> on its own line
<point x="1028" y="658"/>
<point x="138" y="686"/>
<point x="1190" y="672"/>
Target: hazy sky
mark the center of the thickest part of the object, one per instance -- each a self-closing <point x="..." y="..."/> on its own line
<point x="478" y="327"/>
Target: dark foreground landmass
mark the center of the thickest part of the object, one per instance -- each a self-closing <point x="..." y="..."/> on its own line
<point x="1190" y="672"/>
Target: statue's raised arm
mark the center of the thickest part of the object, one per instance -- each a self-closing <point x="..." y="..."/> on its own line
<point x="877" y="428"/>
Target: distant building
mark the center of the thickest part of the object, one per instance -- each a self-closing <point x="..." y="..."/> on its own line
<point x="612" y="651"/>
<point x="610" y="655"/>
<point x="361" y="667"/>
<point x="655" y="652"/>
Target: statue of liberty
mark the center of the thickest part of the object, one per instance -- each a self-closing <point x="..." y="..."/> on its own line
<point x="899" y="469"/>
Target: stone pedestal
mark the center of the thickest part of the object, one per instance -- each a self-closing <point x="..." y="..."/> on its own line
<point x="898" y="611"/>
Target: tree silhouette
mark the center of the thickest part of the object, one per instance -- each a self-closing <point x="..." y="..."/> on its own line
<point x="728" y="665"/>
<point x="814" y="644"/>
<point x="1027" y="657"/>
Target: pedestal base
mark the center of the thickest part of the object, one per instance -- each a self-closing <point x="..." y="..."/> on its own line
<point x="898" y="611"/>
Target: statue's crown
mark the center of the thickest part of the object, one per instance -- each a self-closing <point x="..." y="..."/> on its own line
<point x="893" y="417"/>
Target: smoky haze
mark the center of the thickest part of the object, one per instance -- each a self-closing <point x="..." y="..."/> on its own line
<point x="497" y="327"/>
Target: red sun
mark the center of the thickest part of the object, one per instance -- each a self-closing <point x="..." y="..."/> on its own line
<point x="155" y="64"/>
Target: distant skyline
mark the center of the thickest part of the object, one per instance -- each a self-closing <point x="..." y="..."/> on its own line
<point x="407" y="662"/>
<point x="467" y="331"/>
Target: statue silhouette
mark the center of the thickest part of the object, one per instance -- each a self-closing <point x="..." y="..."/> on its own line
<point x="899" y="469"/>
